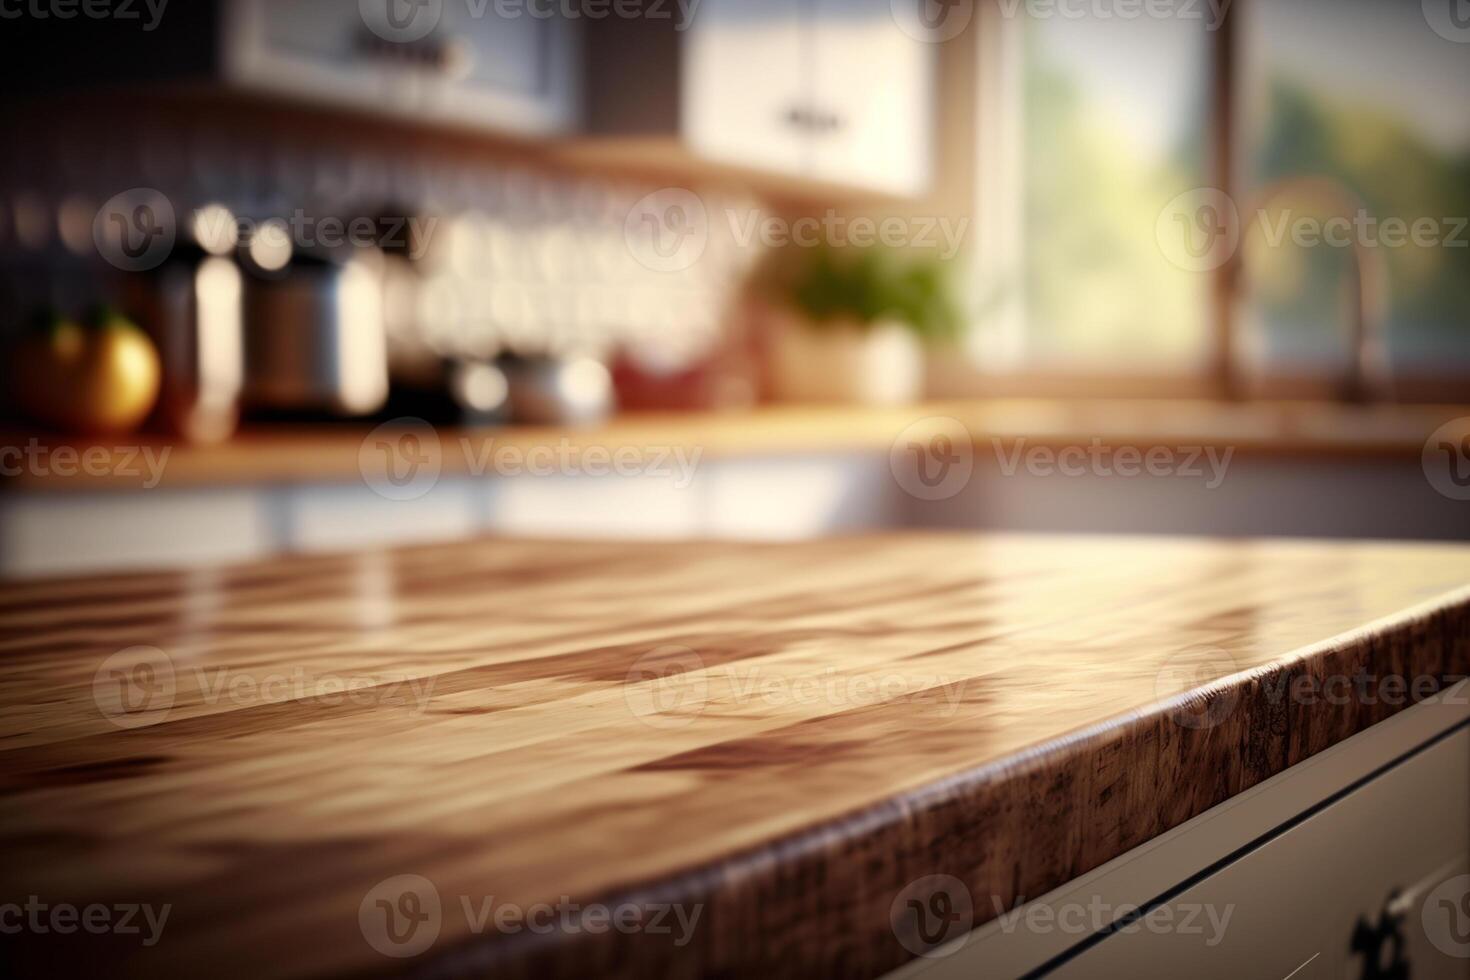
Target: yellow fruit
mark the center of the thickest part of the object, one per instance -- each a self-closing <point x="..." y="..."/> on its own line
<point x="96" y="380"/>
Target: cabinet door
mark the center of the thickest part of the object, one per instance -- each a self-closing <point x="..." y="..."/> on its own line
<point x="743" y="85"/>
<point x="872" y="99"/>
<point x="512" y="72"/>
<point x="1362" y="888"/>
<point x="318" y="50"/>
<point x="505" y="68"/>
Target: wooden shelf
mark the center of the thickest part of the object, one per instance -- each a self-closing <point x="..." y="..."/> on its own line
<point x="286" y="454"/>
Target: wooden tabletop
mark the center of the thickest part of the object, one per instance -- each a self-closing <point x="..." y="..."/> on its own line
<point x="521" y="758"/>
<point x="293" y="454"/>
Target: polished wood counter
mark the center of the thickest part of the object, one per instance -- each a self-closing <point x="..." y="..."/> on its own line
<point x="778" y="740"/>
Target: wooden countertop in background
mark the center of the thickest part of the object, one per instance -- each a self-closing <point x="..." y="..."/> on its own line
<point x="782" y="737"/>
<point x="287" y="454"/>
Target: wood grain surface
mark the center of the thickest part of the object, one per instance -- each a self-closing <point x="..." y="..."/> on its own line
<point x="779" y="743"/>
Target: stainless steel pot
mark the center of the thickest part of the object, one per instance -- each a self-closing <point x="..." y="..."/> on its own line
<point x="314" y="336"/>
<point x="192" y="307"/>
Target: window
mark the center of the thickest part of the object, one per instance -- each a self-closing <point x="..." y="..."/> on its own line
<point x="1354" y="109"/>
<point x="1093" y="123"/>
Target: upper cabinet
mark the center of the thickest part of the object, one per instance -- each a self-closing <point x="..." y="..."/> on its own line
<point x="811" y="93"/>
<point x="831" y="91"/>
<point x="872" y="101"/>
<point x="737" y="113"/>
<point x="493" y="66"/>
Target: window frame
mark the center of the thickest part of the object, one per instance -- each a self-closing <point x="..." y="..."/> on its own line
<point x="998" y="167"/>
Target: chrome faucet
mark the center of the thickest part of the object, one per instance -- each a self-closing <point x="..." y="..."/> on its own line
<point x="1368" y="377"/>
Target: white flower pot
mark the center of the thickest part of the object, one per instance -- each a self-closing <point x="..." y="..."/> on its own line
<point x="846" y="362"/>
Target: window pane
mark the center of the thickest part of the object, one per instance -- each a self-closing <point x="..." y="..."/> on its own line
<point x="1113" y="126"/>
<point x="1368" y="100"/>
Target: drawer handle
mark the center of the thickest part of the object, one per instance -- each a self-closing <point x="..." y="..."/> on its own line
<point x="813" y="120"/>
<point x="1382" y="944"/>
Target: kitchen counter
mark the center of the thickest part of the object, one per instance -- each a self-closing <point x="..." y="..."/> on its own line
<point x="772" y="741"/>
<point x="295" y="454"/>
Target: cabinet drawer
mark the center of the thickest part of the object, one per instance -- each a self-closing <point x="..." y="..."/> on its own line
<point x="1305" y="899"/>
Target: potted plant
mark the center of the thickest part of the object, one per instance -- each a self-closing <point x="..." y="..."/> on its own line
<point x="851" y="325"/>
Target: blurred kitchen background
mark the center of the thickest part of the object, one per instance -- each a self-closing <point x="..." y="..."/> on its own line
<point x="300" y="275"/>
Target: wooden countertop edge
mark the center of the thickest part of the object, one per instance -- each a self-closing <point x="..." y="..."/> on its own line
<point x="285" y="455"/>
<point x="1130" y="779"/>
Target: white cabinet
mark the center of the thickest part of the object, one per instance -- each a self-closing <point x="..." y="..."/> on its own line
<point x="1354" y="863"/>
<point x="1314" y="902"/>
<point x="507" y="68"/>
<point x="744" y="83"/>
<point x="830" y="91"/>
<point x="780" y="498"/>
<point x="872" y="98"/>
